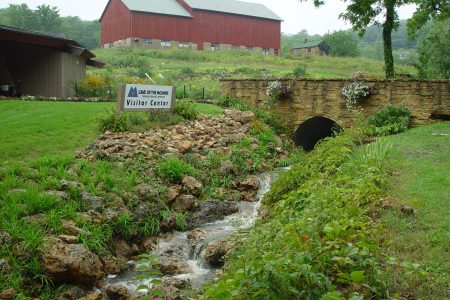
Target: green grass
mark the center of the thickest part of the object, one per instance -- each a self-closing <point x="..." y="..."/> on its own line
<point x="33" y="129"/>
<point x="420" y="165"/>
<point x="208" y="109"/>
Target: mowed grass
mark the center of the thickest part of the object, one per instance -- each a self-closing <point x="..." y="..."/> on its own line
<point x="30" y="130"/>
<point x="420" y="243"/>
<point x="34" y="129"/>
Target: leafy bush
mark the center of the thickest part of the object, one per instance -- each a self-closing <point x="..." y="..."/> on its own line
<point x="300" y="71"/>
<point x="174" y="169"/>
<point x="390" y="119"/>
<point x="110" y="121"/>
<point x="93" y="86"/>
<point x="278" y="90"/>
<point x="186" y="109"/>
<point x="230" y="101"/>
<point x="355" y="92"/>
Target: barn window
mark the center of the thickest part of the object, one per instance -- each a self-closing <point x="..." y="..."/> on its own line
<point x="183" y="45"/>
<point x="148" y="42"/>
<point x="265" y="51"/>
<point x="167" y="44"/>
<point x="215" y="47"/>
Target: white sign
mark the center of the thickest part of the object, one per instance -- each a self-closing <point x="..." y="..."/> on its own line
<point x="138" y="96"/>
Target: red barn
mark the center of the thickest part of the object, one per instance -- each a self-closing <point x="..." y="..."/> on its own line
<point x="195" y="24"/>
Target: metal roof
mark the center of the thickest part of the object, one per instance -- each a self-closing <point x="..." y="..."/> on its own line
<point x="308" y="44"/>
<point x="165" y="7"/>
<point x="235" y="7"/>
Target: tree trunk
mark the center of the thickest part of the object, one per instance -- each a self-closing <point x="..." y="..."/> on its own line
<point x="388" y="26"/>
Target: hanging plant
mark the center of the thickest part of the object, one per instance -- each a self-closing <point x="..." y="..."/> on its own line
<point x="279" y="90"/>
<point x="355" y="92"/>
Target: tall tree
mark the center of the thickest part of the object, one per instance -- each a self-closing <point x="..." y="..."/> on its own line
<point x="20" y="16"/>
<point x="48" y="18"/>
<point x="342" y="43"/>
<point x="362" y="13"/>
<point x="438" y="10"/>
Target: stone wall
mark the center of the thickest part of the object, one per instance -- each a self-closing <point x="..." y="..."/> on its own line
<point x="425" y="99"/>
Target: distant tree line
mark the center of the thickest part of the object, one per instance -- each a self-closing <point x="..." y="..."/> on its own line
<point x="47" y="18"/>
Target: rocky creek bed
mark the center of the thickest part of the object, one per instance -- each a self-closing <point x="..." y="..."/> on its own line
<point x="218" y="199"/>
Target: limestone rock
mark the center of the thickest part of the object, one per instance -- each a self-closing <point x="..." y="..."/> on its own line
<point x="192" y="185"/>
<point x="73" y="293"/>
<point x="215" y="252"/>
<point x="173" y="192"/>
<point x="94" y="201"/>
<point x="67" y="263"/>
<point x="149" y="243"/>
<point x="69" y="227"/>
<point x="68" y="185"/>
<point x="93" y="296"/>
<point x="242" y="117"/>
<point x="172" y="265"/>
<point x="117" y="292"/>
<point x="146" y="192"/>
<point x="226" y="167"/>
<point x="59" y="194"/>
<point x="209" y="211"/>
<point x="8" y="294"/>
<point x="168" y="224"/>
<point x="5" y="239"/>
<point x="184" y="203"/>
<point x="250" y="183"/>
<point x="122" y="249"/>
<point x="5" y="267"/>
<point x="69" y="239"/>
<point x="110" y="264"/>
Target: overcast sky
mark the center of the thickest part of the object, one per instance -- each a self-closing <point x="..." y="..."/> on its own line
<point x="296" y="15"/>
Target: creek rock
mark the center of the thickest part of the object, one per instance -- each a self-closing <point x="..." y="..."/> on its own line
<point x="242" y="117"/>
<point x="59" y="194"/>
<point x="93" y="201"/>
<point x="36" y="219"/>
<point x="110" y="264"/>
<point x="250" y="183"/>
<point x="91" y="216"/>
<point x="149" y="243"/>
<point x="123" y="249"/>
<point x="173" y="265"/>
<point x="69" y="239"/>
<point x="184" y="146"/>
<point x="226" y="167"/>
<point x="8" y="294"/>
<point x="173" y="192"/>
<point x="192" y="185"/>
<point x="69" y="227"/>
<point x="215" y="252"/>
<point x="73" y="293"/>
<point x="5" y="239"/>
<point x="92" y="296"/>
<point x="184" y="203"/>
<point x="146" y="192"/>
<point x="67" y="263"/>
<point x="68" y="185"/>
<point x="5" y="267"/>
<point x="117" y="292"/>
<point x="210" y="211"/>
<point x="168" y="224"/>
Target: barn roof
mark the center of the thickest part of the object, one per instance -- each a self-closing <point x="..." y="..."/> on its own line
<point x="310" y="45"/>
<point x="234" y="7"/>
<point x="165" y="7"/>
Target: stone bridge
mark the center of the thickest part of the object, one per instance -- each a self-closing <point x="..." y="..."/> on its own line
<point x="316" y="106"/>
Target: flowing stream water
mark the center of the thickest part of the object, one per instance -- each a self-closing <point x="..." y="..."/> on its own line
<point x="178" y="245"/>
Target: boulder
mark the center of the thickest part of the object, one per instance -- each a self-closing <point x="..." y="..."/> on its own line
<point x="8" y="294"/>
<point x="73" y="293"/>
<point x="67" y="263"/>
<point x="192" y="185"/>
<point x="110" y="264"/>
<point x="168" y="224"/>
<point x="69" y="239"/>
<point x="242" y="117"/>
<point x="250" y="183"/>
<point x="215" y="252"/>
<point x="173" y="192"/>
<point x="93" y="201"/>
<point x="149" y="243"/>
<point x="5" y="239"/>
<point x="146" y="192"/>
<point x="184" y="146"/>
<point x="226" y="167"/>
<point x="117" y="292"/>
<point x="122" y="249"/>
<point x="210" y="211"/>
<point x="173" y="265"/>
<point x="184" y="203"/>
<point x="5" y="267"/>
<point x="92" y="296"/>
<point x="69" y="227"/>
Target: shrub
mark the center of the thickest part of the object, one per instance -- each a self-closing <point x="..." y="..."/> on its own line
<point x="174" y="169"/>
<point x="355" y="92"/>
<point x="110" y="121"/>
<point x="278" y="90"/>
<point x="390" y="119"/>
<point x="93" y="86"/>
<point x="230" y="101"/>
<point x="186" y="109"/>
<point x="300" y="71"/>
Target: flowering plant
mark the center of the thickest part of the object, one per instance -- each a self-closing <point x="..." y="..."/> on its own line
<point x="354" y="92"/>
<point x="278" y="90"/>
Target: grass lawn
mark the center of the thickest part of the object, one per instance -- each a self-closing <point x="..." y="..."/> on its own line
<point x="420" y="163"/>
<point x="33" y="129"/>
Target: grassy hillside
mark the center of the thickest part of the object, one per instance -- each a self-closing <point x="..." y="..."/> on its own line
<point x="197" y="69"/>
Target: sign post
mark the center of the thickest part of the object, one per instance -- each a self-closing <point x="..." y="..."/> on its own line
<point x="138" y="97"/>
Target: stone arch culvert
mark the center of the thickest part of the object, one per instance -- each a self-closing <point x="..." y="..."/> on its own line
<point x="313" y="130"/>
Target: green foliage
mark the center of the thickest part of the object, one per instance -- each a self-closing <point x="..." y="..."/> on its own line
<point x="186" y="109"/>
<point x="230" y="101"/>
<point x="300" y="71"/>
<point x="342" y="43"/>
<point x="148" y="271"/>
<point x="434" y="52"/>
<point x="438" y="10"/>
<point x="321" y="240"/>
<point x="111" y="122"/>
<point x="390" y="119"/>
<point x="174" y="169"/>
